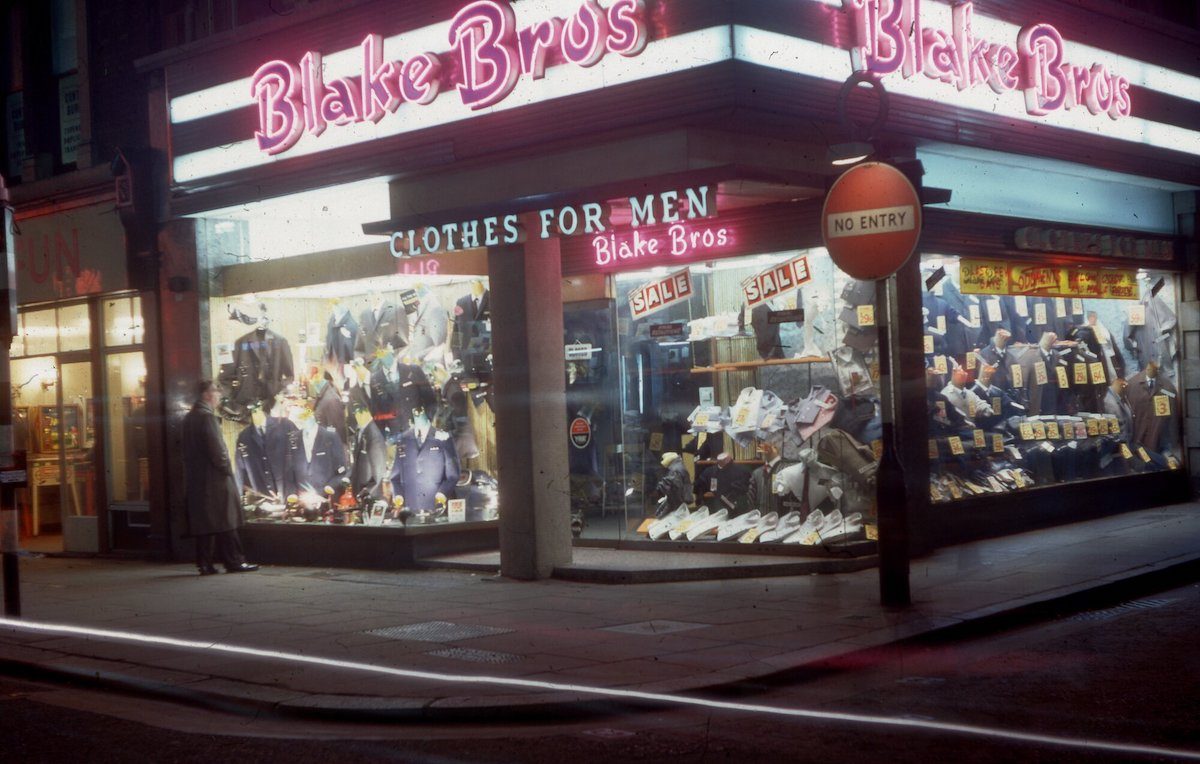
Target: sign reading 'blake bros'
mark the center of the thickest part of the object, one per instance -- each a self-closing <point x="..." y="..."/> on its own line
<point x="492" y="54"/>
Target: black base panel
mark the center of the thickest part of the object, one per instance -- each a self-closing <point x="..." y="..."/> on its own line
<point x="359" y="547"/>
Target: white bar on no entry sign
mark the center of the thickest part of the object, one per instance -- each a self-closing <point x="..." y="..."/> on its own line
<point x="866" y="222"/>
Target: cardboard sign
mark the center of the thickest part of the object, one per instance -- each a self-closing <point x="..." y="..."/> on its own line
<point x="581" y="432"/>
<point x="776" y="280"/>
<point x="866" y="315"/>
<point x="456" y="511"/>
<point x="658" y="294"/>
<point x="1162" y="405"/>
<point x="1137" y="315"/>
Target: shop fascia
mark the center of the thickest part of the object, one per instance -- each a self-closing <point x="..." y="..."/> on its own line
<point x="491" y="55"/>
<point x="682" y="212"/>
<point x="888" y="36"/>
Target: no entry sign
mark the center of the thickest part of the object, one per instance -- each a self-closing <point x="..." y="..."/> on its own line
<point x="871" y="220"/>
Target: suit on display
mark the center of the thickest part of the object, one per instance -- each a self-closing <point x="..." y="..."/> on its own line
<point x="1155" y="405"/>
<point x="472" y="339"/>
<point x="370" y="460"/>
<point x="760" y="493"/>
<point x="262" y="366"/>
<point x="1154" y="339"/>
<point x="255" y="468"/>
<point x="316" y="458"/>
<point x="424" y="467"/>
<point x="428" y="328"/>
<point x="379" y="327"/>
<point x="341" y="336"/>
<point x="1118" y="406"/>
<point x="329" y="409"/>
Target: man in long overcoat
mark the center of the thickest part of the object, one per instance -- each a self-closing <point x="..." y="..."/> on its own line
<point x="214" y="509"/>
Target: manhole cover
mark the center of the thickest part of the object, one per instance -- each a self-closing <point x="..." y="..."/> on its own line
<point x="438" y="631"/>
<point x="656" y="627"/>
<point x="474" y="656"/>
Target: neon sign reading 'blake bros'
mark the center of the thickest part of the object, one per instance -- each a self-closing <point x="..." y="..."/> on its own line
<point x="888" y="37"/>
<point x="492" y="54"/>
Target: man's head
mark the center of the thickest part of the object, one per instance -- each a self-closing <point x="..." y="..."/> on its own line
<point x="1002" y="337"/>
<point x="986" y="372"/>
<point x="960" y="377"/>
<point x="208" y="392"/>
<point x="1092" y="318"/>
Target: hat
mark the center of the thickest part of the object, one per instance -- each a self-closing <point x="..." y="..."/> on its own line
<point x="669" y="458"/>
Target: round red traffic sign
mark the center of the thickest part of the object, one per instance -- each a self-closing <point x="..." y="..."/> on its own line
<point x="581" y="432"/>
<point x="871" y="220"/>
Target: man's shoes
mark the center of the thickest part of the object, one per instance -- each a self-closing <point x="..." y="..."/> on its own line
<point x="242" y="567"/>
<point x="208" y="570"/>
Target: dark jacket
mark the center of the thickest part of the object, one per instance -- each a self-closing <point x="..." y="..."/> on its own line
<point x="472" y="339"/>
<point x="1153" y="428"/>
<point x="376" y="333"/>
<point x="727" y="484"/>
<point x="675" y="485"/>
<point x="760" y="495"/>
<point x="339" y="345"/>
<point x="262" y="366"/>
<point x="370" y="461"/>
<point x="212" y="501"/>
<point x="423" y="469"/>
<point x="330" y="411"/>
<point x="327" y="465"/>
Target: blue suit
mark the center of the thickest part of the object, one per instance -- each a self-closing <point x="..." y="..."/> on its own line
<point x="423" y="469"/>
<point x="327" y="465"/>
<point x="262" y="457"/>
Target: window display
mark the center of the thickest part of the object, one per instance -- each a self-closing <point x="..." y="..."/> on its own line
<point x="1041" y="374"/>
<point x="748" y="400"/>
<point x="360" y="403"/>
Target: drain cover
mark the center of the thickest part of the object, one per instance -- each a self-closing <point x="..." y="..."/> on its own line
<point x="474" y="656"/>
<point x="438" y="631"/>
<point x="656" y="627"/>
<point x="1119" y="610"/>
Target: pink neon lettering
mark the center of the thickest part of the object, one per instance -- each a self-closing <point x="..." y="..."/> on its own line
<point x="535" y="41"/>
<point x="1004" y="77"/>
<point x="340" y="104"/>
<point x="1044" y="83"/>
<point x="584" y="35"/>
<point x="941" y="60"/>
<point x="379" y="95"/>
<point x="626" y="27"/>
<point x="312" y="89"/>
<point x="276" y="87"/>
<point x="679" y="240"/>
<point x="420" y="78"/>
<point x="483" y="32"/>
<point x="1099" y="96"/>
<point x="888" y="54"/>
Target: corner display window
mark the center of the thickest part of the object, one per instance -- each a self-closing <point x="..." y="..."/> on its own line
<point x="1039" y="375"/>
<point x="360" y="403"/>
<point x="746" y="407"/>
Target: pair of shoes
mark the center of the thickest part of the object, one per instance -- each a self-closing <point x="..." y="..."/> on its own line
<point x="208" y="570"/>
<point x="242" y="567"/>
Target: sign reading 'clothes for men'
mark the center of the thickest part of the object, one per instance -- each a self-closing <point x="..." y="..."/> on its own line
<point x="658" y="294"/>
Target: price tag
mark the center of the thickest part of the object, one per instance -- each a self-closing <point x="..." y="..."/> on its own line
<point x="1162" y="405"/>
<point x="1137" y="315"/>
<point x="1019" y="479"/>
<point x="1172" y="463"/>
<point x="956" y="446"/>
<point x="1014" y="373"/>
<point x="996" y="408"/>
<point x="1061" y="371"/>
<point x="656" y="441"/>
<point x="1060" y="307"/>
<point x="997" y="443"/>
<point x="1039" y="373"/>
<point x="877" y="449"/>
<point x="973" y="311"/>
<point x="970" y="361"/>
<point x="1114" y="426"/>
<point x="875" y="371"/>
<point x="941" y="324"/>
<point x="980" y="442"/>
<point x="993" y="311"/>
<point x="1039" y="430"/>
<point x="866" y="315"/>
<point x="456" y="511"/>
<point x="1142" y="453"/>
<point x="1026" y="431"/>
<point x="955" y="491"/>
<point x="1052" y="431"/>
<point x="933" y="449"/>
<point x="1125" y="452"/>
<point x="1022" y="305"/>
<point x="701" y="419"/>
<point x="751" y="536"/>
<point x="1097" y="373"/>
<point x="971" y="408"/>
<point x="1077" y="306"/>
<point x="1093" y="427"/>
<point x="872" y="532"/>
<point x="939" y="364"/>
<point x="1039" y="314"/>
<point x="1080" y="370"/>
<point x="928" y="344"/>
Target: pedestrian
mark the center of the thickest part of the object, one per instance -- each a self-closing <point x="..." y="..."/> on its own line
<point x="214" y="509"/>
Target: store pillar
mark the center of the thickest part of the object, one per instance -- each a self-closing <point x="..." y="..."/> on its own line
<point x="528" y="374"/>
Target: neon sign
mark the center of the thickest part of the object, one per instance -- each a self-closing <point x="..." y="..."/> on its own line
<point x="887" y="37"/>
<point x="677" y="240"/>
<point x="490" y="54"/>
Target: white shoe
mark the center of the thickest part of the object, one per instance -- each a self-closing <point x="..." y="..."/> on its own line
<point x="786" y="526"/>
<point x="707" y="525"/>
<point x="731" y="529"/>
<point x="682" y="528"/>
<point x="832" y="520"/>
<point x="661" y="527"/>
<point x="851" y="525"/>
<point x="765" y="524"/>
<point x="815" y="520"/>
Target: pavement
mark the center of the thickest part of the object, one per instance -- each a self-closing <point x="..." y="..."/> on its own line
<point x="457" y="627"/>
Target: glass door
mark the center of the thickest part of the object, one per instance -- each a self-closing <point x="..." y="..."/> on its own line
<point x="76" y="418"/>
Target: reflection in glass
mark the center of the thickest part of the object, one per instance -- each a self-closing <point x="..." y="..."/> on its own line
<point x="125" y="401"/>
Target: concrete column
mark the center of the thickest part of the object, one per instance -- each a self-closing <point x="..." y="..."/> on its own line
<point x="530" y="400"/>
<point x="1187" y="224"/>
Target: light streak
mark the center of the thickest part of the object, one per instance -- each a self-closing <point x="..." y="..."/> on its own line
<point x="611" y="692"/>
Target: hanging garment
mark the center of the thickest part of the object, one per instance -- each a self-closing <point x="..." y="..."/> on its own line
<point x="428" y="328"/>
<point x="381" y="327"/>
<point x="324" y="466"/>
<point x="341" y="337"/>
<point x="472" y="341"/>
<point x="1154" y="339"/>
<point x="330" y="411"/>
<point x="424" y="468"/>
<point x="262" y="366"/>
<point x="369" y="468"/>
<point x="1155" y="406"/>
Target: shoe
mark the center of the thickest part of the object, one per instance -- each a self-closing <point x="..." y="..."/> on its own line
<point x="815" y="520"/>
<point x="697" y="516"/>
<point x="707" y="525"/>
<point x="731" y="529"/>
<point x="766" y="523"/>
<point x="208" y="570"/>
<point x="786" y="526"/>
<point x="244" y="567"/>
<point x="660" y="528"/>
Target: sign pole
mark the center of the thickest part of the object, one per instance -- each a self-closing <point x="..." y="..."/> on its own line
<point x="891" y="498"/>
<point x="9" y="519"/>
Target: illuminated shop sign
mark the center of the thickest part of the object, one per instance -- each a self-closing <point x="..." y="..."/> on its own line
<point x="1000" y="277"/>
<point x="1086" y="243"/>
<point x="489" y="55"/>
<point x="888" y="36"/>
<point x="673" y="208"/>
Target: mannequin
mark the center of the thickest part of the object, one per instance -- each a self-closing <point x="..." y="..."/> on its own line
<point x="381" y="325"/>
<point x="1117" y="404"/>
<point x="964" y="399"/>
<point x="369" y="467"/>
<point x="328" y="406"/>
<point x="1155" y="405"/>
<point x="472" y="328"/>
<point x="993" y="354"/>
<point x="255" y="469"/>
<point x="761" y="496"/>
<point x="341" y="334"/>
<point x="724" y="485"/>
<point x="316" y="457"/>
<point x="429" y="325"/>
<point x="262" y="365"/>
<point x="426" y="466"/>
<point x="1039" y="375"/>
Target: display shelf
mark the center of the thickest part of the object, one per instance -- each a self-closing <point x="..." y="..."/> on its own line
<point x="737" y="365"/>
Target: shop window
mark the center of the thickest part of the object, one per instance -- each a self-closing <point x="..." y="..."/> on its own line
<point x="40" y="331"/>
<point x="125" y="399"/>
<point x="1040" y="374"/>
<point x="123" y="321"/>
<point x="745" y="400"/>
<point x="363" y="403"/>
<point x="74" y="327"/>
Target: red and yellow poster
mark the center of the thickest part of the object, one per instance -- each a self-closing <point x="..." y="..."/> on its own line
<point x="1039" y="280"/>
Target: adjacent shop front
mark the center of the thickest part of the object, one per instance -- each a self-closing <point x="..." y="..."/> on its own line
<point x="554" y="279"/>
